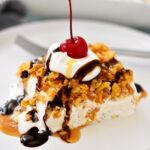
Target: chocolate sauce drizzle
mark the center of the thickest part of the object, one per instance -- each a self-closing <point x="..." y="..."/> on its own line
<point x="9" y="107"/>
<point x="25" y="74"/>
<point x="67" y="91"/>
<point x="119" y="74"/>
<point x="47" y="65"/>
<point x="56" y="50"/>
<point x="33" y="62"/>
<point x="48" y="62"/>
<point x="57" y="101"/>
<point x="38" y="84"/>
<point x="34" y="117"/>
<point x="111" y="84"/>
<point x="139" y="88"/>
<point x="84" y="70"/>
<point x="66" y="130"/>
<point x="33" y="138"/>
<point x="111" y="62"/>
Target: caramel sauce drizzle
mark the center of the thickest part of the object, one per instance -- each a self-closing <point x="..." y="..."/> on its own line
<point x="69" y="67"/>
<point x="9" y="126"/>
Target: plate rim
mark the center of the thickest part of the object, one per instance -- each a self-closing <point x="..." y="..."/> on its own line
<point x="53" y="21"/>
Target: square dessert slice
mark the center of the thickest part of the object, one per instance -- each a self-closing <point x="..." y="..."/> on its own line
<point x="57" y="94"/>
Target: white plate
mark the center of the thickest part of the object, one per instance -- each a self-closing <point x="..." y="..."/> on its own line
<point x="129" y="12"/>
<point x="129" y="133"/>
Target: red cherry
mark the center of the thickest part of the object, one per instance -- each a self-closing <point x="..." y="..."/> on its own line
<point x="75" y="48"/>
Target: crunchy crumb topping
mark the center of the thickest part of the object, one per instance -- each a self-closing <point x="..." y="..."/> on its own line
<point x="102" y="51"/>
<point x="113" y="81"/>
<point x="92" y="114"/>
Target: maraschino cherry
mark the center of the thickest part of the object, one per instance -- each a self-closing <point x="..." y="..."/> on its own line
<point x="76" y="47"/>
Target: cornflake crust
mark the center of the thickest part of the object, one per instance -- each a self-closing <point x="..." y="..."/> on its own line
<point x="114" y="81"/>
<point x="52" y="104"/>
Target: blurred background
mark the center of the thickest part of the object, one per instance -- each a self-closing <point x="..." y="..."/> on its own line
<point x="133" y="13"/>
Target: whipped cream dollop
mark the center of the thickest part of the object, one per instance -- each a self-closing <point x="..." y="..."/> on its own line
<point x="60" y="62"/>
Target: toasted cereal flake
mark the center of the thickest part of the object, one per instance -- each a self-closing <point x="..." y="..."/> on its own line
<point x="105" y="85"/>
<point x="24" y="66"/>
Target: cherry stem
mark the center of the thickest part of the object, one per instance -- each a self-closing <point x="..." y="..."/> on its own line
<point x="71" y="34"/>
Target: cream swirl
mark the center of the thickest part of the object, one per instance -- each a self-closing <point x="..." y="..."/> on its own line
<point x="60" y="62"/>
